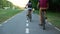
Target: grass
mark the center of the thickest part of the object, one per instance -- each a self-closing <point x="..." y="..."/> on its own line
<point x="53" y="17"/>
<point x="36" y="11"/>
<point x="6" y="14"/>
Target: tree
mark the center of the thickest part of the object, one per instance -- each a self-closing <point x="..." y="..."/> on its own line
<point x="1" y="3"/>
<point x="9" y="4"/>
<point x="54" y="4"/>
<point x="34" y="3"/>
<point x="5" y="3"/>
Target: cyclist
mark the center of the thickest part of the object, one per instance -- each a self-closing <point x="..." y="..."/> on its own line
<point x="29" y="4"/>
<point x="43" y="4"/>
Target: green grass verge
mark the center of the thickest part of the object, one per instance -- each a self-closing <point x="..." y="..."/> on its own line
<point x="6" y="14"/>
<point x="53" y="17"/>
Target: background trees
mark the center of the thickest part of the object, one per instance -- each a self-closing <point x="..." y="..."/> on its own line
<point x="5" y="3"/>
<point x="53" y="4"/>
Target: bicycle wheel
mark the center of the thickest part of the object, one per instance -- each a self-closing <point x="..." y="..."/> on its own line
<point x="43" y="20"/>
<point x="29" y="17"/>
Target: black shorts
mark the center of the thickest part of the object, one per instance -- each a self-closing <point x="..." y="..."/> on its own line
<point x="29" y="9"/>
<point x="43" y="9"/>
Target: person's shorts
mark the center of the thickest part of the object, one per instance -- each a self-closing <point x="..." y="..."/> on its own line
<point x="29" y="9"/>
<point x="43" y="9"/>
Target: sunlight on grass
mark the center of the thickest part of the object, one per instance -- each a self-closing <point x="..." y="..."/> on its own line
<point x="6" y="14"/>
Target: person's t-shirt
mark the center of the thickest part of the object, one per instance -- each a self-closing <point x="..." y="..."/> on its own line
<point x="30" y="5"/>
<point x="43" y="3"/>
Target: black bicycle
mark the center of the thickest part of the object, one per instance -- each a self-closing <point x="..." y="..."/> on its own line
<point x="43" y="19"/>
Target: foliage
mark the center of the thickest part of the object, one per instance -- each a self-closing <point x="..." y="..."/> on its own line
<point x="5" y="3"/>
<point x="54" y="4"/>
<point x="34" y="3"/>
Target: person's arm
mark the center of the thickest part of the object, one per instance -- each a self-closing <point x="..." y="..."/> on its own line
<point x="47" y="4"/>
<point x="38" y="5"/>
<point x="26" y="6"/>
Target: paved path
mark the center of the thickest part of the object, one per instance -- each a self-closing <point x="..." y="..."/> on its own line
<point x="18" y="25"/>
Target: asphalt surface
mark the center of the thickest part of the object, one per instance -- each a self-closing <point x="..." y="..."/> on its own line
<point x="18" y="25"/>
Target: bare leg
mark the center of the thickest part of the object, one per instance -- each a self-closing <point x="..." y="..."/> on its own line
<point x="45" y="14"/>
<point x="40" y="17"/>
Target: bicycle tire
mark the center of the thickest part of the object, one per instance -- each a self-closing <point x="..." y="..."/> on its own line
<point x="43" y="20"/>
<point x="29" y="17"/>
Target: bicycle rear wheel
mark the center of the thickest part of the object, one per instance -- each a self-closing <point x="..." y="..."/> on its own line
<point x="29" y="17"/>
<point x="43" y="20"/>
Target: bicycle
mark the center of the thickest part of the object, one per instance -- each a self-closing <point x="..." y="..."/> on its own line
<point x="43" y="19"/>
<point x="29" y="17"/>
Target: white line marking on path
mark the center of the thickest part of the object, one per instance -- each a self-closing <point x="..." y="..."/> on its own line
<point x="27" y="31"/>
<point x="49" y="23"/>
<point x="54" y="27"/>
<point x="27" y="21"/>
<point x="27" y="24"/>
<point x="5" y="22"/>
<point x="57" y="28"/>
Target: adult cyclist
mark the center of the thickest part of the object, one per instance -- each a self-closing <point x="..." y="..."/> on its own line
<point x="43" y="5"/>
<point x="29" y="4"/>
